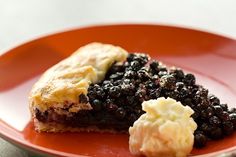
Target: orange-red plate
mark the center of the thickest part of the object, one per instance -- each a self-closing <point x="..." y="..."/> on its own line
<point x="211" y="57"/>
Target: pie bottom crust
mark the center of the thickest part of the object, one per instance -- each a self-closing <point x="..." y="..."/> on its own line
<point x="56" y="127"/>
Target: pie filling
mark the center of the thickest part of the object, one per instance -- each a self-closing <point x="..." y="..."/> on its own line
<point x="116" y="101"/>
<point x="84" y="119"/>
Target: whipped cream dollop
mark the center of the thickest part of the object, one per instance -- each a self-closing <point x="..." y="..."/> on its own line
<point x="166" y="129"/>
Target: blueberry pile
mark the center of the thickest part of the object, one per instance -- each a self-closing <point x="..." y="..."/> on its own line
<point x="120" y="95"/>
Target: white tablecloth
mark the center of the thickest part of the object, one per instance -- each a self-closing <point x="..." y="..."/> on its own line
<point x="22" y="20"/>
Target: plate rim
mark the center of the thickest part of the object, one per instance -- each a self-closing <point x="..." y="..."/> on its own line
<point x="76" y="28"/>
<point x="42" y="150"/>
<point x="32" y="147"/>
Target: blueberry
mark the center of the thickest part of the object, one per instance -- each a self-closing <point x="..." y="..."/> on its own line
<point x="193" y="89"/>
<point x="138" y="110"/>
<point x="117" y="82"/>
<point x="120" y="113"/>
<point x="154" y="66"/>
<point x="215" y="121"/>
<point x="155" y="77"/>
<point x="200" y="140"/>
<point x="224" y="116"/>
<point x="204" y="104"/>
<point x="41" y="116"/>
<point x="150" y="85"/>
<point x="167" y="82"/>
<point x="130" y="57"/>
<point x="189" y="79"/>
<point x="117" y="75"/>
<point x="106" y="82"/>
<point x="205" y="128"/>
<point x="98" y="91"/>
<point x="96" y="105"/>
<point x="143" y="74"/>
<point x="130" y="74"/>
<point x="131" y="118"/>
<point x="127" y="81"/>
<point x="179" y="85"/>
<point x="188" y="102"/>
<point x="162" y="73"/>
<point x="183" y="93"/>
<point x="228" y="127"/>
<point x="224" y="107"/>
<point x="195" y="115"/>
<point x="171" y="94"/>
<point x="108" y="101"/>
<point x="127" y="89"/>
<point x="114" y="92"/>
<point x="216" y="133"/>
<point x="217" y="109"/>
<point x="202" y="92"/>
<point x="162" y="68"/>
<point x="198" y="132"/>
<point x="130" y="100"/>
<point x="232" y="118"/>
<point x="214" y="100"/>
<point x="155" y="93"/>
<point x="197" y="99"/>
<point x="141" y="58"/>
<point x="141" y="93"/>
<point x="207" y="113"/>
<point x="135" y="65"/>
<point x="177" y="73"/>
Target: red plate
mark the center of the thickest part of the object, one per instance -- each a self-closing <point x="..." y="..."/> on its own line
<point x="211" y="57"/>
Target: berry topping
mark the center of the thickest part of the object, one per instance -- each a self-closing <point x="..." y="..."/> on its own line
<point x="127" y="85"/>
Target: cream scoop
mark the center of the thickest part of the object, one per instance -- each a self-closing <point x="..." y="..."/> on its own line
<point x="166" y="129"/>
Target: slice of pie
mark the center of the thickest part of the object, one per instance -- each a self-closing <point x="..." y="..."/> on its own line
<point x="59" y="101"/>
<point x="101" y="88"/>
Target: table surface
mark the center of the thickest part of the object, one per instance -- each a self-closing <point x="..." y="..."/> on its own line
<point x="24" y="20"/>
